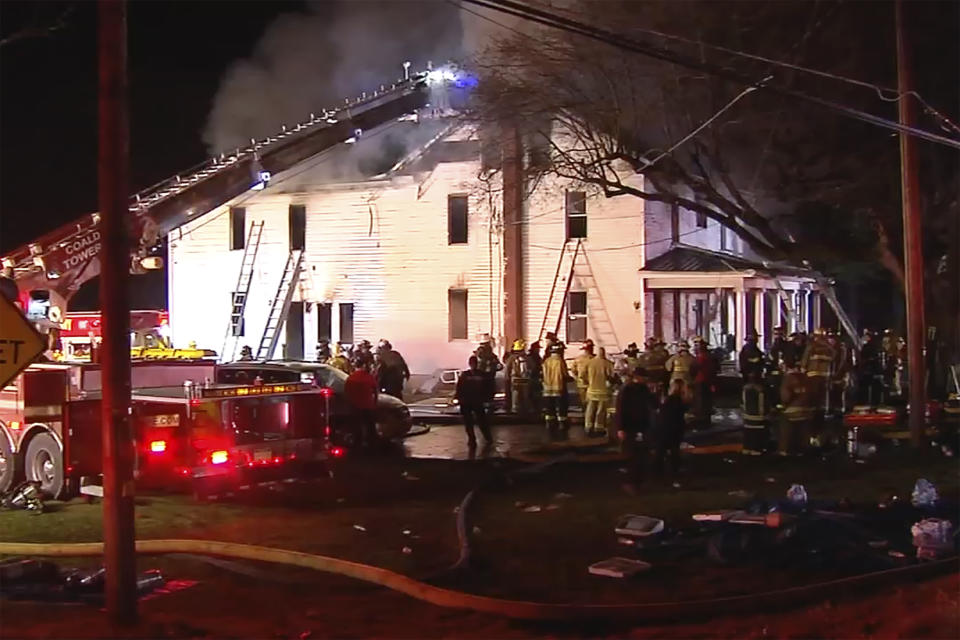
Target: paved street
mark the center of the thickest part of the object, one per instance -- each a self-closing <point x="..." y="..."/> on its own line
<point x="448" y="439"/>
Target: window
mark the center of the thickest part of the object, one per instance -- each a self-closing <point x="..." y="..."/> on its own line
<point x="293" y="347"/>
<point x="674" y="223"/>
<point x="236" y="314"/>
<point x="699" y="312"/>
<point x="346" y="322"/>
<point x="456" y="219"/>
<point x="298" y="227"/>
<point x="324" y="322"/>
<point x="538" y="148"/>
<point x="724" y="240"/>
<point x="701" y="220"/>
<point x="577" y="316"/>
<point x="457" y="313"/>
<point x="576" y="207"/>
<point x="238" y="228"/>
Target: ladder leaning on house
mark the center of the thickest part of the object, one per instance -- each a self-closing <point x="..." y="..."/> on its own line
<point x="826" y="288"/>
<point x="553" y="289"/>
<point x="241" y="293"/>
<point x="280" y="306"/>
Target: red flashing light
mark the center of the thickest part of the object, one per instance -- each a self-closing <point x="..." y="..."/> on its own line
<point x="218" y="457"/>
<point x="326" y="431"/>
<point x="184" y="471"/>
<point x="326" y="392"/>
<point x="158" y="446"/>
<point x="337" y="452"/>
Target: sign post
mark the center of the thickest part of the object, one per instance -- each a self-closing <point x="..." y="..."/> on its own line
<point x="20" y="343"/>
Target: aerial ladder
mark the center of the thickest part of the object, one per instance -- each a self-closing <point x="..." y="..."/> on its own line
<point x="61" y="261"/>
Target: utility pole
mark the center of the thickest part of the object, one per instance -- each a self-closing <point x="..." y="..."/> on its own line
<point x="912" y="236"/>
<point x="118" y="531"/>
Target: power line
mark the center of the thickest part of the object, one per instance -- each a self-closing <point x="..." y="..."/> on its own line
<point x="572" y="26"/>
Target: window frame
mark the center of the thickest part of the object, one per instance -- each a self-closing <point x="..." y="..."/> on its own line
<point x="238" y="228"/>
<point x="452" y="238"/>
<point x="452" y="334"/>
<point x="578" y="318"/>
<point x="342" y="335"/>
<point x="297" y="221"/>
<point x="571" y="216"/>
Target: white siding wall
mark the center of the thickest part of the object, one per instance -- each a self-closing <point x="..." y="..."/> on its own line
<point x="659" y="232"/>
<point x="606" y="269"/>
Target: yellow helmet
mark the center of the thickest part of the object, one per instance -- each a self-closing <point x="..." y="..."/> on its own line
<point x="519" y="344"/>
<point x="337" y="349"/>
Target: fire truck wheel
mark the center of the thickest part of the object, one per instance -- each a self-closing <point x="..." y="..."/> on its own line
<point x="44" y="463"/>
<point x="8" y="465"/>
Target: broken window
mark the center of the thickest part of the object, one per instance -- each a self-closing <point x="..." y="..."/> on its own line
<point x="576" y="209"/>
<point x="457" y="208"/>
<point x="576" y="316"/>
<point x="238" y="228"/>
<point x="538" y="148"/>
<point x="346" y="322"/>
<point x="724" y="240"/>
<point x="298" y="227"/>
<point x="457" y="313"/>
<point x="701" y="220"/>
<point x="674" y="223"/>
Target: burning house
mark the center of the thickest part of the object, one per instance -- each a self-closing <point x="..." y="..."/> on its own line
<point x="411" y="232"/>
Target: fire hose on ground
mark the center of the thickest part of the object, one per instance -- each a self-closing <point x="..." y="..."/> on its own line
<point x="517" y="609"/>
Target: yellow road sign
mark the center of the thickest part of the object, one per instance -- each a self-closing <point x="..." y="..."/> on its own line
<point x="20" y="344"/>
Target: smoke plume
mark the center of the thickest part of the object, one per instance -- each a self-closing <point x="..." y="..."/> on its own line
<point x="336" y="49"/>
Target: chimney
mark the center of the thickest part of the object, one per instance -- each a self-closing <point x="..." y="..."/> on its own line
<point x="513" y="313"/>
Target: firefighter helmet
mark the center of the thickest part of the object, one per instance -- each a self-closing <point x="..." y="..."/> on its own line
<point x="519" y="344"/>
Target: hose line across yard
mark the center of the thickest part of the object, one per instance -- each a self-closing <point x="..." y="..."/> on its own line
<point x="517" y="609"/>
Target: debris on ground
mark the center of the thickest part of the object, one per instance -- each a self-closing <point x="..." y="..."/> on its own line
<point x="407" y="532"/>
<point x="406" y="550"/>
<point x="770" y="479"/>
<point x="924" y="494"/>
<point x="25" y="496"/>
<point x="676" y="485"/>
<point x="617" y="567"/>
<point x="933" y="538"/>
<point x="562" y="496"/>
<point x="360" y="527"/>
<point x="739" y="493"/>
<point x="41" y="580"/>
<point x="476" y="530"/>
<point x="534" y="508"/>
<point x="552" y="507"/>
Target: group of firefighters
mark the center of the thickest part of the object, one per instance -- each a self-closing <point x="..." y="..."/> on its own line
<point x="803" y="379"/>
<point x="384" y="362"/>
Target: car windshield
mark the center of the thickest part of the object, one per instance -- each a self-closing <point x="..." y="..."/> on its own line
<point x="330" y="377"/>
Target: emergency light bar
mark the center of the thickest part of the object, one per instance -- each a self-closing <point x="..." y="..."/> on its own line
<point x="255" y="390"/>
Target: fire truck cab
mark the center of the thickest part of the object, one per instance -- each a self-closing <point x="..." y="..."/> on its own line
<point x="188" y="433"/>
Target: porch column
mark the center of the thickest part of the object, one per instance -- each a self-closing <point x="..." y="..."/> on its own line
<point x="740" y="316"/>
<point x="759" y="317"/>
<point x="817" y="318"/>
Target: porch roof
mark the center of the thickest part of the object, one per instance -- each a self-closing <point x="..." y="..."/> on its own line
<point x="688" y="259"/>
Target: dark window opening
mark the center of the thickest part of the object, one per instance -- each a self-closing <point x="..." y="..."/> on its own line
<point x="724" y="239"/>
<point x="577" y="316"/>
<point x="538" y="149"/>
<point x="489" y="149"/>
<point x="238" y="228"/>
<point x="293" y="347"/>
<point x="457" y="313"/>
<point x="457" y="208"/>
<point x="576" y="209"/>
<point x="676" y="314"/>
<point x="324" y="321"/>
<point x="346" y="323"/>
<point x="675" y="223"/>
<point x="657" y="313"/>
<point x="298" y="227"/>
<point x="701" y="220"/>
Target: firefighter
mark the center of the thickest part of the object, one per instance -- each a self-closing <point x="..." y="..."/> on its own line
<point x="339" y="360"/>
<point x="631" y="359"/>
<point x="471" y="395"/>
<point x="705" y="371"/>
<point x="797" y="411"/>
<point x="817" y="362"/>
<point x="755" y="405"/>
<point x="555" y="400"/>
<point x="323" y="351"/>
<point x="680" y="366"/>
<point x="392" y="372"/>
<point x="775" y="360"/>
<point x="579" y="368"/>
<point x="868" y="370"/>
<point x="535" y="374"/>
<point x="489" y="364"/>
<point x="842" y="367"/>
<point x="246" y="354"/>
<point x="751" y="358"/>
<point x="598" y="374"/>
<point x="517" y="389"/>
<point x="889" y="343"/>
<point x="655" y="364"/>
<point x="901" y="379"/>
<point x="363" y="357"/>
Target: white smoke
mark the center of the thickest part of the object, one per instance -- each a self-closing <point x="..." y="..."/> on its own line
<point x="308" y="61"/>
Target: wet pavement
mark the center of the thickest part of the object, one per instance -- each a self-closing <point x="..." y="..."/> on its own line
<point x="447" y="439"/>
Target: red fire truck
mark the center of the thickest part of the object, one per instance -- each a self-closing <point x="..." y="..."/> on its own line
<point x="79" y="330"/>
<point x="188" y="433"/>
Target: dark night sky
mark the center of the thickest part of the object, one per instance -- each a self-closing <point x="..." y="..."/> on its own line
<point x="178" y="52"/>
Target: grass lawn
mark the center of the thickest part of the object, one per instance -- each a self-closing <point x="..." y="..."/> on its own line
<point x="540" y="556"/>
